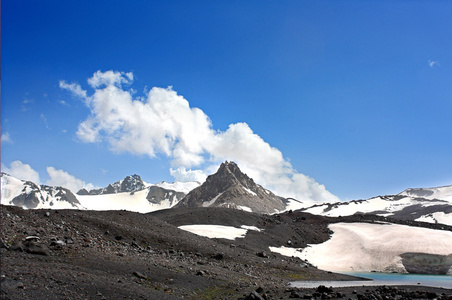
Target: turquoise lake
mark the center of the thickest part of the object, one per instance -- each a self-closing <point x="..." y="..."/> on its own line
<point x="377" y="279"/>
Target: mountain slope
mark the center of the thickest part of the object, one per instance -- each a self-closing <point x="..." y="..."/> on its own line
<point x="231" y="188"/>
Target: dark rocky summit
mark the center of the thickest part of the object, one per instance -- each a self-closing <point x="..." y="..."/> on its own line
<point x="231" y="188"/>
<point x="130" y="184"/>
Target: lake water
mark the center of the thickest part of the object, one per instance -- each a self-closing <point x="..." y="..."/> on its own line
<point x="378" y="279"/>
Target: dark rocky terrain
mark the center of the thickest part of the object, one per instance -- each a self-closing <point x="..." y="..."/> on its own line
<point x="73" y="254"/>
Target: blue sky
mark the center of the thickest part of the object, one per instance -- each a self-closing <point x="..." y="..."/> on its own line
<point x="352" y="95"/>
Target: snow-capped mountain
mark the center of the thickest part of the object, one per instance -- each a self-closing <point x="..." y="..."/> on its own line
<point x="30" y="195"/>
<point x="229" y="187"/>
<point x="131" y="193"/>
<point x="432" y="205"/>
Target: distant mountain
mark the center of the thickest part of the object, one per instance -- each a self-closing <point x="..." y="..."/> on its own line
<point x="131" y="193"/>
<point x="432" y="205"/>
<point x="129" y="184"/>
<point x="231" y="188"/>
<point x="228" y="187"/>
<point x="27" y="194"/>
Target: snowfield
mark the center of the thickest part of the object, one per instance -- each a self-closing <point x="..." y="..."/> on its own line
<point x="364" y="247"/>
<point x="136" y="202"/>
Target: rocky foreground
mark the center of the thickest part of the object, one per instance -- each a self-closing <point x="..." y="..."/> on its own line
<point x="70" y="254"/>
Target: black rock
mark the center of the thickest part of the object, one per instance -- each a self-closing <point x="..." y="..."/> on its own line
<point x="218" y="256"/>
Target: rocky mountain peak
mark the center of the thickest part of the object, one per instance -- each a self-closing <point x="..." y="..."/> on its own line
<point x="229" y="174"/>
<point x="230" y="187"/>
<point x="130" y="184"/>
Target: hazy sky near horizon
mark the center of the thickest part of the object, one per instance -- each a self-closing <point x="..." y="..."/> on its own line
<point x="310" y="98"/>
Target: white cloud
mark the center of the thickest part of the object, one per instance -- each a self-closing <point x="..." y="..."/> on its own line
<point x="66" y="180"/>
<point x="184" y="175"/>
<point x="6" y="138"/>
<point x="56" y="177"/>
<point x="22" y="171"/>
<point x="73" y="88"/>
<point x="164" y="123"/>
<point x="110" y="78"/>
<point x="432" y="63"/>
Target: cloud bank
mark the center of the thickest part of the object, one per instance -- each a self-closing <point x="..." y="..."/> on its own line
<point x="56" y="177"/>
<point x="163" y="123"/>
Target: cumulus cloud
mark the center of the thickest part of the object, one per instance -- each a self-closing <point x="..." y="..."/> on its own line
<point x="163" y="123"/>
<point x="184" y="175"/>
<point x="66" y="180"/>
<point x="22" y="171"/>
<point x="6" y="138"/>
<point x="56" y="177"/>
<point x="110" y="78"/>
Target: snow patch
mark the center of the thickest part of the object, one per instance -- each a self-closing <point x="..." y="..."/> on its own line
<point x="249" y="191"/>
<point x="244" y="208"/>
<point x="287" y="251"/>
<point x="216" y="231"/>
<point x="209" y="203"/>
<point x="250" y="228"/>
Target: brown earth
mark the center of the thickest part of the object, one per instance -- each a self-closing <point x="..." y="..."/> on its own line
<point x="71" y="254"/>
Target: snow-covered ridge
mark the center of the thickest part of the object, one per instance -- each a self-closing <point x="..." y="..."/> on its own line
<point x="428" y="205"/>
<point x="443" y="193"/>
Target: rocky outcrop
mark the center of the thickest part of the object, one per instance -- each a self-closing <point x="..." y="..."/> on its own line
<point x="158" y="194"/>
<point x="424" y="263"/>
<point x="229" y="187"/>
